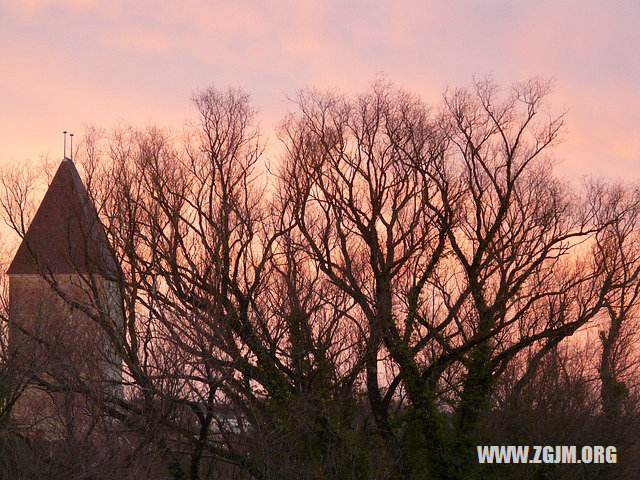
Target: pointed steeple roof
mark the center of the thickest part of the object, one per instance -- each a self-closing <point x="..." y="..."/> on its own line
<point x="65" y="235"/>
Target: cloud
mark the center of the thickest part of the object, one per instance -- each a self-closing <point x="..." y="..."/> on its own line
<point x="135" y="40"/>
<point x="32" y="7"/>
<point x="143" y="59"/>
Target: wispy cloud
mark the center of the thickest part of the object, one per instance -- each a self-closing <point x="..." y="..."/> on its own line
<point x="140" y="60"/>
<point x="132" y="40"/>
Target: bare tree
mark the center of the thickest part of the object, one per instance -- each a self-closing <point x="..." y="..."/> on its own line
<point x="617" y="248"/>
<point x="453" y="238"/>
<point x="408" y="273"/>
<point x="231" y="342"/>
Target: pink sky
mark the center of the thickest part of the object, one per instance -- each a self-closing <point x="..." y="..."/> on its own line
<point x="71" y="62"/>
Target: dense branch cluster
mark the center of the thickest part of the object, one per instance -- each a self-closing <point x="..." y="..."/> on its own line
<point x="408" y="282"/>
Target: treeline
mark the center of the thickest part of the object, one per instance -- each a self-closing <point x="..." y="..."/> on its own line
<point x="403" y="283"/>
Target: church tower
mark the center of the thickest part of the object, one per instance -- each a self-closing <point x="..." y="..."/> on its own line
<point x="63" y="300"/>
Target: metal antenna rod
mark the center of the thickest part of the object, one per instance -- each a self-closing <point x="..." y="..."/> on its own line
<point x="71" y="135"/>
<point x="65" y="144"/>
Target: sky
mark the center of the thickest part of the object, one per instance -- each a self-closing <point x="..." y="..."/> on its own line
<point x="68" y="63"/>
